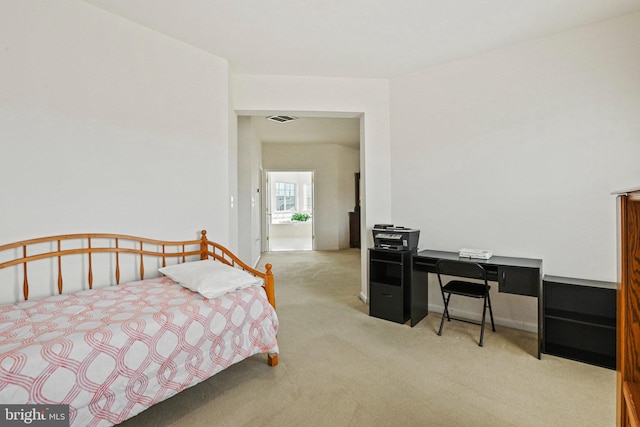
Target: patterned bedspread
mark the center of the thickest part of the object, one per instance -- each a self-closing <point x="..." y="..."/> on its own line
<point x="112" y="352"/>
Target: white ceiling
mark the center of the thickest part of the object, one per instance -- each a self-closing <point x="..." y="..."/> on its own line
<point x="314" y="130"/>
<point x="355" y="38"/>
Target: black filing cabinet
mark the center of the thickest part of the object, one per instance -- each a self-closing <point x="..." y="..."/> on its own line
<point x="580" y="320"/>
<point x="390" y="284"/>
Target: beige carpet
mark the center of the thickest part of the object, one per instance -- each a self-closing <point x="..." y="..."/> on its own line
<point x="340" y="367"/>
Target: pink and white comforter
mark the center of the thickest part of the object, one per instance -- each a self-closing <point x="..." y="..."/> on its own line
<point x="112" y="352"/>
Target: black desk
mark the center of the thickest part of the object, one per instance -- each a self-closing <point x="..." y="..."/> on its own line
<point x="521" y="276"/>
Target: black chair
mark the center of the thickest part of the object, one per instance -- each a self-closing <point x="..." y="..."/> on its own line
<point x="471" y="270"/>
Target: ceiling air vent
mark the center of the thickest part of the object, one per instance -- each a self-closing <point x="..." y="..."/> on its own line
<point x="282" y="119"/>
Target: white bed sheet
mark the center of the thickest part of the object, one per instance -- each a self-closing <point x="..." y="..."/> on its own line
<point x="112" y="352"/>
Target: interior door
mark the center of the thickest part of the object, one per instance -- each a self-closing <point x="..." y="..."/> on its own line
<point x="289" y="205"/>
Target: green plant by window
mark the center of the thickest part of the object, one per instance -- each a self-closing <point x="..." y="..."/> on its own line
<point x="300" y="217"/>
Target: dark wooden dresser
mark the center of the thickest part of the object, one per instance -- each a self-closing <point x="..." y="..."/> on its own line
<point x="628" y="316"/>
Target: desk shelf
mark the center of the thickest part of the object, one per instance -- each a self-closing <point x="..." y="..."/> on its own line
<point x="389" y="284"/>
<point x="594" y="358"/>
<point x="580" y="320"/>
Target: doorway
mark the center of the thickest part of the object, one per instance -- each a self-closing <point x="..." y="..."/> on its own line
<point x="289" y="202"/>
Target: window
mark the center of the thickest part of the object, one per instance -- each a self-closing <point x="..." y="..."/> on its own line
<point x="289" y="192"/>
<point x="285" y="196"/>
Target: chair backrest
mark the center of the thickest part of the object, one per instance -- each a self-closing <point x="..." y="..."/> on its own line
<point x="467" y="269"/>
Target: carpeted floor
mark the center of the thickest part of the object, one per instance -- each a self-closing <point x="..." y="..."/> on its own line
<point x="340" y="367"/>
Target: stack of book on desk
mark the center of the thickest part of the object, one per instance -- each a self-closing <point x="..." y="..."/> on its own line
<point x="475" y="253"/>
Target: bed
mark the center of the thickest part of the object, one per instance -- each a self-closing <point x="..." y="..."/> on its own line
<point x="112" y="348"/>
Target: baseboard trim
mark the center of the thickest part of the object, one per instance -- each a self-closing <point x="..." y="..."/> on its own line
<point x="363" y="297"/>
<point x="477" y="317"/>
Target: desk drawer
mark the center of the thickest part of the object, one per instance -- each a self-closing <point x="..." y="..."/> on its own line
<point x="519" y="280"/>
<point x="386" y="302"/>
<point x="427" y="265"/>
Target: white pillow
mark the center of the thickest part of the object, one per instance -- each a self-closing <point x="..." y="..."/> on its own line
<point x="210" y="278"/>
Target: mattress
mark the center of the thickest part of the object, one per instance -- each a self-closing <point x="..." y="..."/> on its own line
<point x="112" y="352"/>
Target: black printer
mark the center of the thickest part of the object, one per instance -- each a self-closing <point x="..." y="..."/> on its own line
<point x="395" y="238"/>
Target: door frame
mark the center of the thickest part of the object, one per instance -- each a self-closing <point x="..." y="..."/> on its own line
<point x="266" y="205"/>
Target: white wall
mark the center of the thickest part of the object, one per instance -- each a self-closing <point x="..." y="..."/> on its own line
<point x="300" y="230"/>
<point x="517" y="151"/>
<point x="334" y="166"/>
<point x="107" y="126"/>
<point x="249" y="199"/>
<point x="317" y="96"/>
